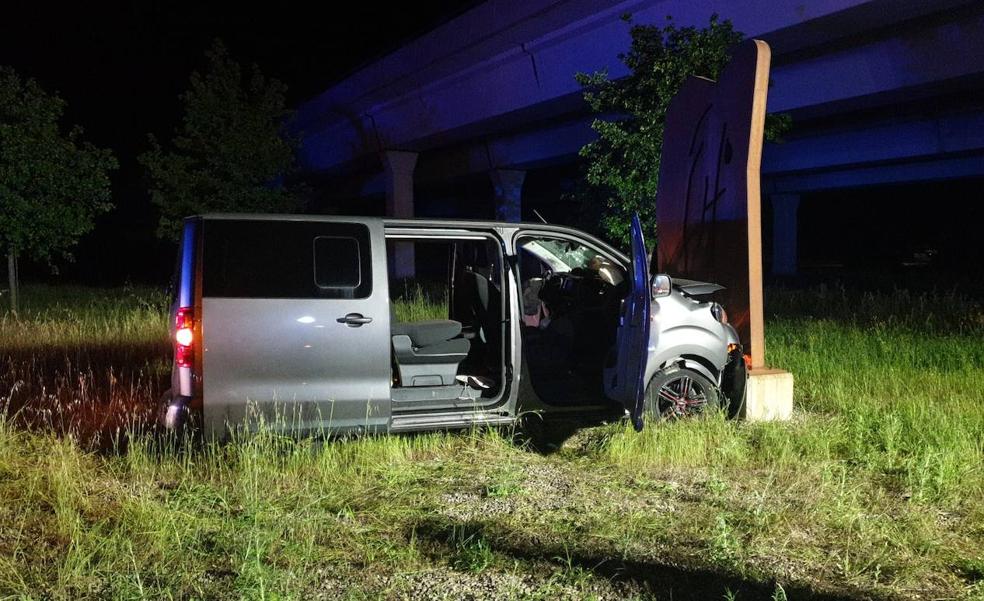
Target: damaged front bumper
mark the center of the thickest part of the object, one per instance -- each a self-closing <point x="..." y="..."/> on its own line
<point x="734" y="378"/>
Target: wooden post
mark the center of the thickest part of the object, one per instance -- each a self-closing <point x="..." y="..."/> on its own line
<point x="756" y="302"/>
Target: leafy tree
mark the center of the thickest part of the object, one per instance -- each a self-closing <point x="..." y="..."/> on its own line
<point x="229" y="153"/>
<point x="52" y="184"/>
<point x="622" y="164"/>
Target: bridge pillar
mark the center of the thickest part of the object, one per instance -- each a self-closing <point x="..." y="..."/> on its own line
<point x="507" y="185"/>
<point x="785" y="225"/>
<point x="399" y="166"/>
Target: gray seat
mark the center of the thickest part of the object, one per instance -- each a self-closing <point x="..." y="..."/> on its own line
<point x="425" y="333"/>
<point x="478" y="301"/>
<point x="427" y="352"/>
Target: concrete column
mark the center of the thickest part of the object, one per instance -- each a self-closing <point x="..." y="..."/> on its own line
<point x="508" y="188"/>
<point x="785" y="225"/>
<point x="399" y="166"/>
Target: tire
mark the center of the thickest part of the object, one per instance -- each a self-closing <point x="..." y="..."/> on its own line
<point x="664" y="400"/>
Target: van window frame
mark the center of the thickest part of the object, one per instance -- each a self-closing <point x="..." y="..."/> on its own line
<point x="505" y="399"/>
<point x="358" y="261"/>
<point x="352" y="229"/>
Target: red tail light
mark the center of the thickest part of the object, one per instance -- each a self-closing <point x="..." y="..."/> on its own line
<point x="184" y="337"/>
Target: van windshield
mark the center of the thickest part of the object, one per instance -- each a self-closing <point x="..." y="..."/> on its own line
<point x="562" y="256"/>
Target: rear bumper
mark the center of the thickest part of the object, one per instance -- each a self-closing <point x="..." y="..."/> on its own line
<point x="174" y="412"/>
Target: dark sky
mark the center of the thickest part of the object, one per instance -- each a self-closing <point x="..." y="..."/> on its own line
<point x="121" y="65"/>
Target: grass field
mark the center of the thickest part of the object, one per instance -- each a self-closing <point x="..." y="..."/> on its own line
<point x="874" y="490"/>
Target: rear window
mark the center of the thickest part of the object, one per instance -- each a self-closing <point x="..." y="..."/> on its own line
<point x="286" y="259"/>
<point x="336" y="262"/>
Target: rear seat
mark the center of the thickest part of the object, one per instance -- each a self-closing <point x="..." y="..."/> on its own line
<point x="428" y="352"/>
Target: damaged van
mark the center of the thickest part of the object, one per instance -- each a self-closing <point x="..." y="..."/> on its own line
<point x="297" y="322"/>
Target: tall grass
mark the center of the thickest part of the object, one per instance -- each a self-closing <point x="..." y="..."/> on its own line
<point x="883" y="463"/>
<point x="84" y="361"/>
<point x="892" y="384"/>
<point x="413" y="301"/>
<point x="874" y="489"/>
<point x="76" y="317"/>
<point x="256" y="518"/>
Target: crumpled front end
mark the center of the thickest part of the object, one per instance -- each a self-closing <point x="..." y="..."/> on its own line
<point x="734" y="378"/>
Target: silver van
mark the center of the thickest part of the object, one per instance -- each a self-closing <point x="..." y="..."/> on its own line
<point x="290" y="321"/>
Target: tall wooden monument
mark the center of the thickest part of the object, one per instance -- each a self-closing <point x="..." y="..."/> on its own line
<point x="708" y="208"/>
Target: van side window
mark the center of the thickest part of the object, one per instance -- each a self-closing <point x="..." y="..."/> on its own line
<point x="246" y="258"/>
<point x="336" y="262"/>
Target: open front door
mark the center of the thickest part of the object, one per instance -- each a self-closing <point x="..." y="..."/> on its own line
<point x="633" y="333"/>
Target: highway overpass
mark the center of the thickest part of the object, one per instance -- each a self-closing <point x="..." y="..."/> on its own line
<point x="469" y="118"/>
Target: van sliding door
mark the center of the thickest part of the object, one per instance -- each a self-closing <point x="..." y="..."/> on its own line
<point x="295" y="325"/>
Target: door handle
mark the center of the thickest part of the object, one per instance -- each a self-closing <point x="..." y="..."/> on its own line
<point x="354" y="320"/>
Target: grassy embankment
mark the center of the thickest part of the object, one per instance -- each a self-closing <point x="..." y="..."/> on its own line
<point x="874" y="490"/>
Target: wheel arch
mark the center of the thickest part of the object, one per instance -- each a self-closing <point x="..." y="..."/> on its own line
<point x="695" y="362"/>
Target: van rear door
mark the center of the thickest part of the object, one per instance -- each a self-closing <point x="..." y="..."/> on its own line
<point x="295" y="324"/>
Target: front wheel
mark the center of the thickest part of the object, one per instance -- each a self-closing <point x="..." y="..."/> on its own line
<point x="680" y="392"/>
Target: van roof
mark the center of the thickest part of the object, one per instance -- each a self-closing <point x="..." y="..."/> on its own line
<point x="385" y="220"/>
<point x="416" y="222"/>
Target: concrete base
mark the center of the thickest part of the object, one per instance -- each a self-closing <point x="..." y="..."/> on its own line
<point x="768" y="395"/>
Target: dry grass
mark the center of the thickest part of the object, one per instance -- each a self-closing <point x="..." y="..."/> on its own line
<point x="84" y="361"/>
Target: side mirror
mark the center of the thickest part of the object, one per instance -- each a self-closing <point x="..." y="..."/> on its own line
<point x="660" y="286"/>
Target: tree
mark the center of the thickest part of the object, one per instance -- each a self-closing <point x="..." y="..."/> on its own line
<point x="622" y="164"/>
<point x="229" y="153"/>
<point x="52" y="184"/>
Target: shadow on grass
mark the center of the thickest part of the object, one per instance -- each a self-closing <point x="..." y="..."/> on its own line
<point x="442" y="538"/>
<point x="547" y="436"/>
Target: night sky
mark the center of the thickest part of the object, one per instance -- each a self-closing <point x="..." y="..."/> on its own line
<point x="121" y="66"/>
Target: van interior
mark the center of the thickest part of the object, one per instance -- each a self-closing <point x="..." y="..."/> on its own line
<point x="447" y="323"/>
<point x="571" y="297"/>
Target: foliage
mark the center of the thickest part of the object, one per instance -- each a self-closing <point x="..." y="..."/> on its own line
<point x="230" y="152"/>
<point x="622" y="164"/>
<point x="52" y="183"/>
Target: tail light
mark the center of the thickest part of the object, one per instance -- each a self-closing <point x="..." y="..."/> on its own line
<point x="184" y="337"/>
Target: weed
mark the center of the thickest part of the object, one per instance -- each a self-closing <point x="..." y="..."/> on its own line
<point x="471" y="551"/>
<point x="779" y="594"/>
<point x="724" y="545"/>
<point x="505" y="482"/>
